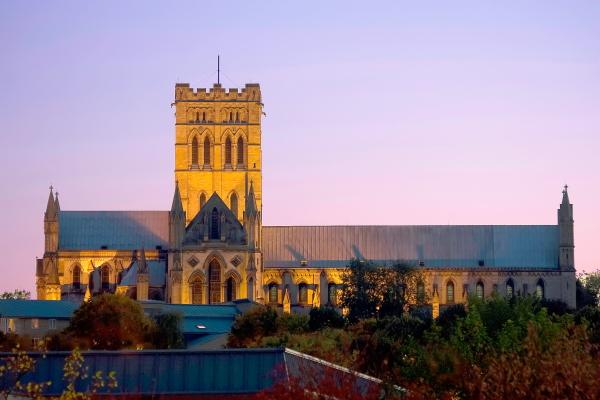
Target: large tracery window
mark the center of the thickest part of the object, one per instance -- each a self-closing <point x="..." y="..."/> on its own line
<point x="234" y="204"/>
<point x="273" y="293"/>
<point x="214" y="282"/>
<point x="206" y="151"/>
<point x="240" y="151"/>
<point x="228" y="151"/>
<point x="195" y="151"/>
<point x="197" y="291"/>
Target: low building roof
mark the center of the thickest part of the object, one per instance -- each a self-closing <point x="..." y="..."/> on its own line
<point x="37" y="309"/>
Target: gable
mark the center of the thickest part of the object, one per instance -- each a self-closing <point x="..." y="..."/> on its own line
<point x="214" y="221"/>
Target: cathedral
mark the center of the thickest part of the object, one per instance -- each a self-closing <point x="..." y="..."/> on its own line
<point x="211" y="247"/>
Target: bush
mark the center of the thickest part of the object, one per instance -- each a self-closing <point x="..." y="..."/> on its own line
<point x="555" y="307"/>
<point x="249" y="328"/>
<point x="167" y="332"/>
<point x="447" y="319"/>
<point x="325" y="317"/>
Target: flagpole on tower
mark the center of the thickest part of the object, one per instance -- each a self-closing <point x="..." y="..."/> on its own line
<point x="218" y="69"/>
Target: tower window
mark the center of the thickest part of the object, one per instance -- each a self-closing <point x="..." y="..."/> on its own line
<point x="195" y="151"/>
<point x="450" y="292"/>
<point x="228" y="151"/>
<point x="237" y="117"/>
<point x="197" y="116"/>
<point x="203" y="117"/>
<point x="206" y="151"/>
<point x="230" y="117"/>
<point x="214" y="224"/>
<point x="240" y="151"/>
<point x="234" y="204"/>
<point x="202" y="200"/>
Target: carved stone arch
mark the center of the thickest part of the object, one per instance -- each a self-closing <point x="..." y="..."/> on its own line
<point x="201" y="200"/>
<point x="207" y="132"/>
<point x="197" y="275"/>
<point x="212" y="256"/>
<point x="232" y="273"/>
<point x="233" y="202"/>
<point x="193" y="132"/>
<point x="226" y="132"/>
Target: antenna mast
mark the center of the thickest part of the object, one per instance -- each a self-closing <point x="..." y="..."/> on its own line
<point x="219" y="69"/>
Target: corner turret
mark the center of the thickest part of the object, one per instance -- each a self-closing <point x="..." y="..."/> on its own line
<point x="51" y="227"/>
<point x="176" y="220"/>
<point x="565" y="227"/>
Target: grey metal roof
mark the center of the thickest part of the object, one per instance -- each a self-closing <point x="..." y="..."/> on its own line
<point x="507" y="246"/>
<point x="157" y="271"/>
<point x="117" y="230"/>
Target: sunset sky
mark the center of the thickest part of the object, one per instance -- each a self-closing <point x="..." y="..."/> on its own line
<point x="377" y="112"/>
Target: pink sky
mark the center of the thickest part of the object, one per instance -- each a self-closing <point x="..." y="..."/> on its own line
<point x="434" y="113"/>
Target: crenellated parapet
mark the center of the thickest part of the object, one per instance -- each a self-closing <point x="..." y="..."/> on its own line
<point x="251" y="92"/>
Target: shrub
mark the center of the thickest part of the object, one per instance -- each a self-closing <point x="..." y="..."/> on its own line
<point x="325" y="317"/>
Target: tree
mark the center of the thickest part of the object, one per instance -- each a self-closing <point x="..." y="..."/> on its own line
<point x="167" y="331"/>
<point x="110" y="322"/>
<point x="587" y="289"/>
<point x="16" y="295"/>
<point x="359" y="290"/>
<point x="325" y="317"/>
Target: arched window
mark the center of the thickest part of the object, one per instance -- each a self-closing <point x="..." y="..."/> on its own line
<point x="230" y="289"/>
<point x="105" y="277"/>
<point x="237" y="116"/>
<point x="197" y="116"/>
<point x="273" y="293"/>
<point x="197" y="291"/>
<point x="251" y="289"/>
<point x="332" y="294"/>
<point x="450" y="292"/>
<point x="202" y="200"/>
<point x="510" y="288"/>
<point x="214" y="282"/>
<point x="540" y="290"/>
<point x="479" y="290"/>
<point x="206" y="152"/>
<point x="76" y="279"/>
<point x="195" y="151"/>
<point x="203" y="117"/>
<point x="420" y="292"/>
<point x="240" y="151"/>
<point x="228" y="151"/>
<point x="302" y="293"/>
<point x="214" y="224"/>
<point x="234" y="204"/>
<point x="230" y="117"/>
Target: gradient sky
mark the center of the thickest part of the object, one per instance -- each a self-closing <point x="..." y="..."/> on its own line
<point x="377" y="112"/>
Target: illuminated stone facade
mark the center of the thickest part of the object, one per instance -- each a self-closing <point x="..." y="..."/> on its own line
<point x="211" y="246"/>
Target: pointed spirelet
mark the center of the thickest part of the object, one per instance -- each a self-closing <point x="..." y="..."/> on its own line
<point x="565" y="198"/>
<point x="142" y="264"/>
<point x="56" y="203"/>
<point x="177" y="206"/>
<point x="51" y="206"/>
<point x="251" y="201"/>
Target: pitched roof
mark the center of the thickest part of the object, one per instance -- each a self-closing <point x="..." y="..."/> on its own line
<point x="507" y="246"/>
<point x="37" y="308"/>
<point x="117" y="230"/>
<point x="156" y="269"/>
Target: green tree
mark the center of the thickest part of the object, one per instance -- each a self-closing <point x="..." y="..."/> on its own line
<point x="110" y="322"/>
<point x="359" y="290"/>
<point x="167" y="332"/>
<point x="16" y="295"/>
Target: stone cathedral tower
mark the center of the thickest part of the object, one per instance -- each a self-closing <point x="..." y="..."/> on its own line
<point x="215" y="219"/>
<point x="217" y="146"/>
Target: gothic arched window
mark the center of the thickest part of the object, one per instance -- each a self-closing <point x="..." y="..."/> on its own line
<point x="76" y="278"/>
<point x="237" y="116"/>
<point x="230" y="289"/>
<point x="197" y="291"/>
<point x="195" y="151"/>
<point x="230" y="117"/>
<point x="234" y="204"/>
<point x="228" y="151"/>
<point x="105" y="277"/>
<point x="214" y="282"/>
<point x="332" y="294"/>
<point x="479" y="290"/>
<point x="197" y="116"/>
<point x="450" y="292"/>
<point x="240" y="151"/>
<point x="540" y="290"/>
<point x="214" y="224"/>
<point x="202" y="200"/>
<point x="420" y="292"/>
<point x="302" y="293"/>
<point x="203" y="117"/>
<point x="510" y="288"/>
<point x="206" y="151"/>
<point x="273" y="293"/>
